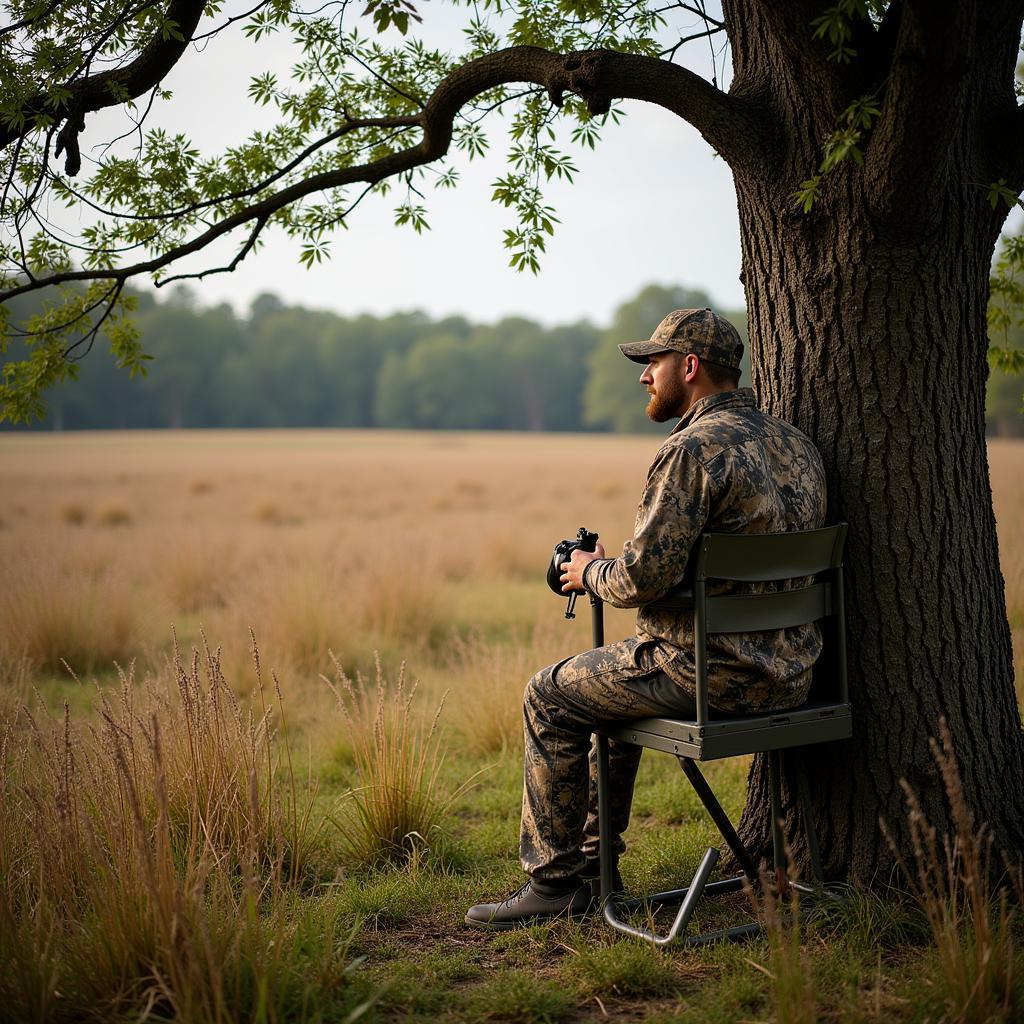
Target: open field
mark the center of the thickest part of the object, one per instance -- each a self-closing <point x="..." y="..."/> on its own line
<point x="426" y="549"/>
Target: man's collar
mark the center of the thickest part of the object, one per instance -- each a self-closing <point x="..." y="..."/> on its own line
<point x="737" y="398"/>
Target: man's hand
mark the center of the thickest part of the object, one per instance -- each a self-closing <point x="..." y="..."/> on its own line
<point x="572" y="571"/>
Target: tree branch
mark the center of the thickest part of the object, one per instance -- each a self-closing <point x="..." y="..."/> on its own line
<point x="1001" y="146"/>
<point x="350" y="125"/>
<point x="736" y="130"/>
<point x="108" y="88"/>
<point x="250" y="244"/>
<point x="31" y="19"/>
<point x="92" y="334"/>
<point x="231" y="21"/>
<point x="670" y="52"/>
<point x="907" y="160"/>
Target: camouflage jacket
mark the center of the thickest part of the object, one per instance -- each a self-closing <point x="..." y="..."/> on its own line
<point x="727" y="467"/>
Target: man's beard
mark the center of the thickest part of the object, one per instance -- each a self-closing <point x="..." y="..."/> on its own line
<point x="668" y="402"/>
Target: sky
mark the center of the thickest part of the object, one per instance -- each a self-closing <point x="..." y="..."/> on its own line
<point x="652" y="204"/>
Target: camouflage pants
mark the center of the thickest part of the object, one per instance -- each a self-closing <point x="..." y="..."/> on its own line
<point x="562" y="704"/>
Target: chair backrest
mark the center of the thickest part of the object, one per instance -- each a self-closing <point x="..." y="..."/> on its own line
<point x="769" y="558"/>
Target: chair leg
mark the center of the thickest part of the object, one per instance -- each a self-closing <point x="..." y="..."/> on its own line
<point x="699" y="886"/>
<point x="688" y="897"/>
<point x="682" y="918"/>
<point x="604" y="820"/>
<point x="812" y="833"/>
<point x="719" y="817"/>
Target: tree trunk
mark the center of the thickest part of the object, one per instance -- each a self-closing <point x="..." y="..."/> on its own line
<point x="877" y="350"/>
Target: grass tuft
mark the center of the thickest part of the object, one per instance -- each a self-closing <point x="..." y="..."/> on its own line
<point x="114" y="515"/>
<point x="491" y="720"/>
<point x="868" y="922"/>
<point x="48" y="620"/>
<point x="73" y="513"/>
<point x="789" y="970"/>
<point x="395" y="811"/>
<point x="148" y="863"/>
<point x="624" y="969"/>
<point x="199" y="575"/>
<point x="972" y="925"/>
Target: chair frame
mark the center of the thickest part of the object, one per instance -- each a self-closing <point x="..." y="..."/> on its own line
<point x="743" y="558"/>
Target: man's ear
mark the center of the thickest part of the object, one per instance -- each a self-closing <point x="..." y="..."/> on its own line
<point x="691" y="366"/>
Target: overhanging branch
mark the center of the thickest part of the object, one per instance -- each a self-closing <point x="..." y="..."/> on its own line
<point x="109" y="88"/>
<point x="736" y="130"/>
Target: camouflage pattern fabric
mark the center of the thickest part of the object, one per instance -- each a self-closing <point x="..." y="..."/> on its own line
<point x="562" y="704"/>
<point x="727" y="467"/>
<point x="700" y="331"/>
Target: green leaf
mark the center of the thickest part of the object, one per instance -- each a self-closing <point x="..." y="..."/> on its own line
<point x="263" y="87"/>
<point x="1009" y="360"/>
<point x="315" y="251"/>
<point x="412" y="215"/>
<point x="999" y="191"/>
<point x="807" y="194"/>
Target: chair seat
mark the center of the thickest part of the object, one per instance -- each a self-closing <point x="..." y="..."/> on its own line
<point x="813" y="722"/>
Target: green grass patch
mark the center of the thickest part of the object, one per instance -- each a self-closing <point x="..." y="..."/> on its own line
<point x="518" y="996"/>
<point x="623" y="969"/>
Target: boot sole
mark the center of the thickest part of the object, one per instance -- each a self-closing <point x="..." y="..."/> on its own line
<point x="526" y="922"/>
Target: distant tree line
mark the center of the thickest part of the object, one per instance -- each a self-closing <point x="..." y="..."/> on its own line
<point x="286" y="366"/>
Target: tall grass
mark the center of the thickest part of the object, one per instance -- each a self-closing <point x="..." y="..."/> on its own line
<point x="489" y="713"/>
<point x="972" y="924"/>
<point x="200" y="574"/>
<point x="50" y="616"/>
<point x="306" y="606"/>
<point x="789" y="967"/>
<point x="395" y="810"/>
<point x="148" y="863"/>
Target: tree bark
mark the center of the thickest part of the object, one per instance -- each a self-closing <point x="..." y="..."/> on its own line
<point x="875" y="346"/>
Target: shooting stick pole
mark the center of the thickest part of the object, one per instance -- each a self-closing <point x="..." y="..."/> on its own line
<point x="597" y="620"/>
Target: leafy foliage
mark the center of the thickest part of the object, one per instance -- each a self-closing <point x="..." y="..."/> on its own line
<point x="1006" y="307"/>
<point x="835" y="25"/>
<point x="836" y="28"/>
<point x="845" y="143"/>
<point x="57" y="337"/>
<point x="354" y="95"/>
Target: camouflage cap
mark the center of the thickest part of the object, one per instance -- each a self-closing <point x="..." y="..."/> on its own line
<point x="705" y="334"/>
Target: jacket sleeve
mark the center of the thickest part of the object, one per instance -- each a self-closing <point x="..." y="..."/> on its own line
<point x="672" y="514"/>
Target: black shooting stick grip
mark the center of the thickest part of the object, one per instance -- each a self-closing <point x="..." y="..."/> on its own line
<point x="585" y="541"/>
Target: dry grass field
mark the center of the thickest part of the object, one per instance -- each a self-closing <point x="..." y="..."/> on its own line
<point x="418" y="546"/>
<point x="426" y="547"/>
<point x="381" y="548"/>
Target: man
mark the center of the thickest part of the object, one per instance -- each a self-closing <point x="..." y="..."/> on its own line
<point x="726" y="467"/>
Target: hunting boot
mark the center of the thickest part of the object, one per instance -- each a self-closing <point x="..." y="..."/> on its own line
<point x="535" y="901"/>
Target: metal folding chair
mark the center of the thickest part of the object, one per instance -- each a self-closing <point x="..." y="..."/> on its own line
<point x="825" y="717"/>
